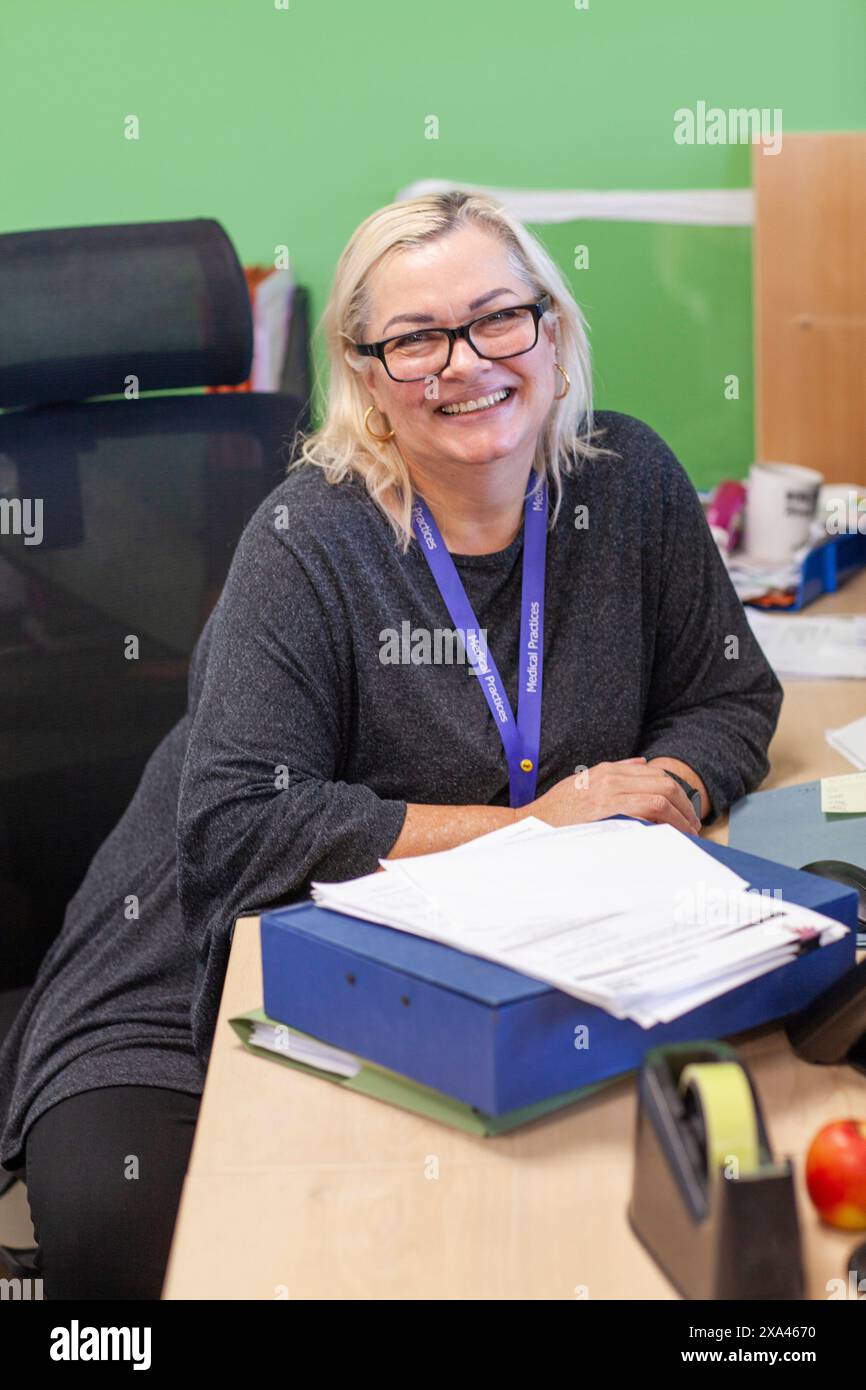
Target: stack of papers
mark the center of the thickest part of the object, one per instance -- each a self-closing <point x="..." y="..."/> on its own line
<point x="752" y="579"/>
<point x="635" y="919"/>
<point x="798" y="646"/>
<point x="300" y="1047"/>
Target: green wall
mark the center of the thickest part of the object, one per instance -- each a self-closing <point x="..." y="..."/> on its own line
<point x="290" y="126"/>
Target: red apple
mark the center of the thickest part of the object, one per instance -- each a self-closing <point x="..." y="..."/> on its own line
<point x="836" y="1174"/>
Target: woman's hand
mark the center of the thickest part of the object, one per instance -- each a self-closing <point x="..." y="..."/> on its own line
<point x="632" y="787"/>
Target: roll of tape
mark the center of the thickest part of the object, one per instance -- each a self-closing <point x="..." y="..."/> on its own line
<point x="722" y="1093"/>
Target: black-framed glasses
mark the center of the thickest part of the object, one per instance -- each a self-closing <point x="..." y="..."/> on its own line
<point x="426" y="352"/>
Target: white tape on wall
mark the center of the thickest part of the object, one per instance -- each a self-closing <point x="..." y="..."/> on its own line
<point x="699" y="207"/>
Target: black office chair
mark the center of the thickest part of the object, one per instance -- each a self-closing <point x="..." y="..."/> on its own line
<point x="10" y="1002"/>
<point x="142" y="500"/>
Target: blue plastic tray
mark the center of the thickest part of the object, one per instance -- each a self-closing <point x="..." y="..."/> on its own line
<point x="825" y="570"/>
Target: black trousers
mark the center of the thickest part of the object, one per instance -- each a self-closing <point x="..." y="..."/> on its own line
<point x="104" y="1172"/>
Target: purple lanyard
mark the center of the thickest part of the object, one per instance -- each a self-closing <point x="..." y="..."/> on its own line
<point x="521" y="739"/>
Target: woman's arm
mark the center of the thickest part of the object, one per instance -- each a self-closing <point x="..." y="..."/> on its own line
<point x="631" y="787"/>
<point x="713" y="701"/>
<point x="262" y="808"/>
<point x="430" y="828"/>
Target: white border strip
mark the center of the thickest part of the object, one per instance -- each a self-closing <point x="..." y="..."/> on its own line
<point x="700" y="207"/>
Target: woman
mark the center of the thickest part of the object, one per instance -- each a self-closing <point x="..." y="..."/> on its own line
<point x="458" y="426"/>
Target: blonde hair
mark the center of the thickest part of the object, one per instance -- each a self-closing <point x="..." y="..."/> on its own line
<point x="341" y="446"/>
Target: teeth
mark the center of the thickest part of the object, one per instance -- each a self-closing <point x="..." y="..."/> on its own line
<point x="483" y="403"/>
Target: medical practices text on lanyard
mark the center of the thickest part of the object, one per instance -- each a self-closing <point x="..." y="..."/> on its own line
<point x="521" y="739"/>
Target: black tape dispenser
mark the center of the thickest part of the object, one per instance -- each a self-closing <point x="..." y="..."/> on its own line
<point x="709" y="1202"/>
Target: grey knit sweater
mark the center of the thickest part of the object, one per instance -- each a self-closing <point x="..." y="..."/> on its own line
<point x="301" y="747"/>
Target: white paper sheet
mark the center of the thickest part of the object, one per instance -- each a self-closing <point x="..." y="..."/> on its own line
<point x="850" y="741"/>
<point x="794" y="645"/>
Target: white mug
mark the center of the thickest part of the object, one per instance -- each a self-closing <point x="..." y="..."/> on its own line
<point x="780" y="508"/>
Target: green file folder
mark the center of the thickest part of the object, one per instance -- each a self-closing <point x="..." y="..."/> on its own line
<point x="394" y="1089"/>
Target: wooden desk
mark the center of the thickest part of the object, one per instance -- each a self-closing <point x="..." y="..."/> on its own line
<point x="299" y="1189"/>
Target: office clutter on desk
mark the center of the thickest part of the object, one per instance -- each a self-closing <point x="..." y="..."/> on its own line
<point x="710" y="1202"/>
<point x="633" y="918"/>
<point x="499" y="1039"/>
<point x="784" y="539"/>
<point x="821" y="566"/>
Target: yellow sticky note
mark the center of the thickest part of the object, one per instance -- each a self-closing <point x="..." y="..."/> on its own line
<point x="842" y="795"/>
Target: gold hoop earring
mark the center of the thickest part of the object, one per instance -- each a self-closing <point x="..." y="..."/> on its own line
<point x="380" y="438"/>
<point x="566" y="378"/>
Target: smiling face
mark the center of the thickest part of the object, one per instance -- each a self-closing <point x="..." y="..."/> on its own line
<point x="448" y="282"/>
